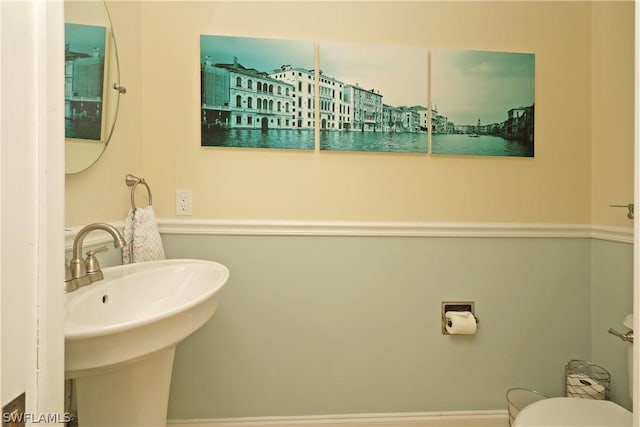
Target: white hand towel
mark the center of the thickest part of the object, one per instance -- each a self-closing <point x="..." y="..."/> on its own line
<point x="142" y="237"/>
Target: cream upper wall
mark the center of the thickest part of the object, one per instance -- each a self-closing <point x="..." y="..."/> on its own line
<point x="612" y="100"/>
<point x="160" y="41"/>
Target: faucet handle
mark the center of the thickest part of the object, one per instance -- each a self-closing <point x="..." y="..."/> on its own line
<point x="67" y="272"/>
<point x="92" y="252"/>
<point x="69" y="282"/>
<point x="92" y="264"/>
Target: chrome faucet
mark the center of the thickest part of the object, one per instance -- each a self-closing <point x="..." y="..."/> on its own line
<point x="84" y="272"/>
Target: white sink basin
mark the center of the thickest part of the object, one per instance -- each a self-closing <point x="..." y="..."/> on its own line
<point x="137" y="310"/>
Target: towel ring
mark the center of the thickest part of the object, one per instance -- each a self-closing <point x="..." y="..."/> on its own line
<point x="133" y="181"/>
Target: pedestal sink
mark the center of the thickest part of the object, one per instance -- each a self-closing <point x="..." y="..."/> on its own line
<point x="121" y="334"/>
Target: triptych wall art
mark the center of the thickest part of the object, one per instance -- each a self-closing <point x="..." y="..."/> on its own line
<point x="261" y="93"/>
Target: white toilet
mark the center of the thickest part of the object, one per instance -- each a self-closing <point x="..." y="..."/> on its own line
<point x="570" y="411"/>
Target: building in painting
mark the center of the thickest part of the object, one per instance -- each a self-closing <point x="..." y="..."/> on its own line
<point x="236" y="97"/>
<point x="520" y="124"/>
<point x="335" y="112"/>
<point x="439" y="122"/>
<point x="391" y="118"/>
<point x="302" y="94"/>
<point x="84" y="80"/>
<point x="366" y="108"/>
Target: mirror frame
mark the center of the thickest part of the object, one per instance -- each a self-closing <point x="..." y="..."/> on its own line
<point x="88" y="152"/>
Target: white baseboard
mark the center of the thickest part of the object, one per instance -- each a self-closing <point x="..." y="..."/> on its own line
<point x="495" y="418"/>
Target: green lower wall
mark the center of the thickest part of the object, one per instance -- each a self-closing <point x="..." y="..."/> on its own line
<point x="611" y="301"/>
<point x="332" y="325"/>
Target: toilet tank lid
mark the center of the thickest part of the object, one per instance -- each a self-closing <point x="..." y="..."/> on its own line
<point x="628" y="321"/>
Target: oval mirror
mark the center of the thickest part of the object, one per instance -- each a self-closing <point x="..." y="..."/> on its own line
<point x="92" y="82"/>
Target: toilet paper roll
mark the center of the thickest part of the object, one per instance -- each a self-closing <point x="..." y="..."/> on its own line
<point x="582" y="386"/>
<point x="460" y="323"/>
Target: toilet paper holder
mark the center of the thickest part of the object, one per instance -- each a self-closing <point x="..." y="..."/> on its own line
<point x="445" y="306"/>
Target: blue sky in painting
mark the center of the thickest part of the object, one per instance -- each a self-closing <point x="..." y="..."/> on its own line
<point x="261" y="54"/>
<point x="467" y="85"/>
<point x="84" y="38"/>
<point x="398" y="72"/>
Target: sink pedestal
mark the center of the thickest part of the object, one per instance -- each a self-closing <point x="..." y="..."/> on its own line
<point x="133" y="394"/>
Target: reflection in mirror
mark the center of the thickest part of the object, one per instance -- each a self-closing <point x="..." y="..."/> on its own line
<point x="92" y="82"/>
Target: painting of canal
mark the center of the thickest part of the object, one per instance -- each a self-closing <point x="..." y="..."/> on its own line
<point x="373" y="97"/>
<point x="84" y="80"/>
<point x="483" y="103"/>
<point x="257" y="92"/>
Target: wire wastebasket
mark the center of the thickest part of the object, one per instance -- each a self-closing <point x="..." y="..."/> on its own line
<point x="586" y="380"/>
<point x="519" y="398"/>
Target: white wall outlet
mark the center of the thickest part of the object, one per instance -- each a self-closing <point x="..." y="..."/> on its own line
<point x="183" y="202"/>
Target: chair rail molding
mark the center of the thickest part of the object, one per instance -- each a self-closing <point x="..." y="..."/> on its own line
<point x="215" y="227"/>
<point x="393" y="229"/>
